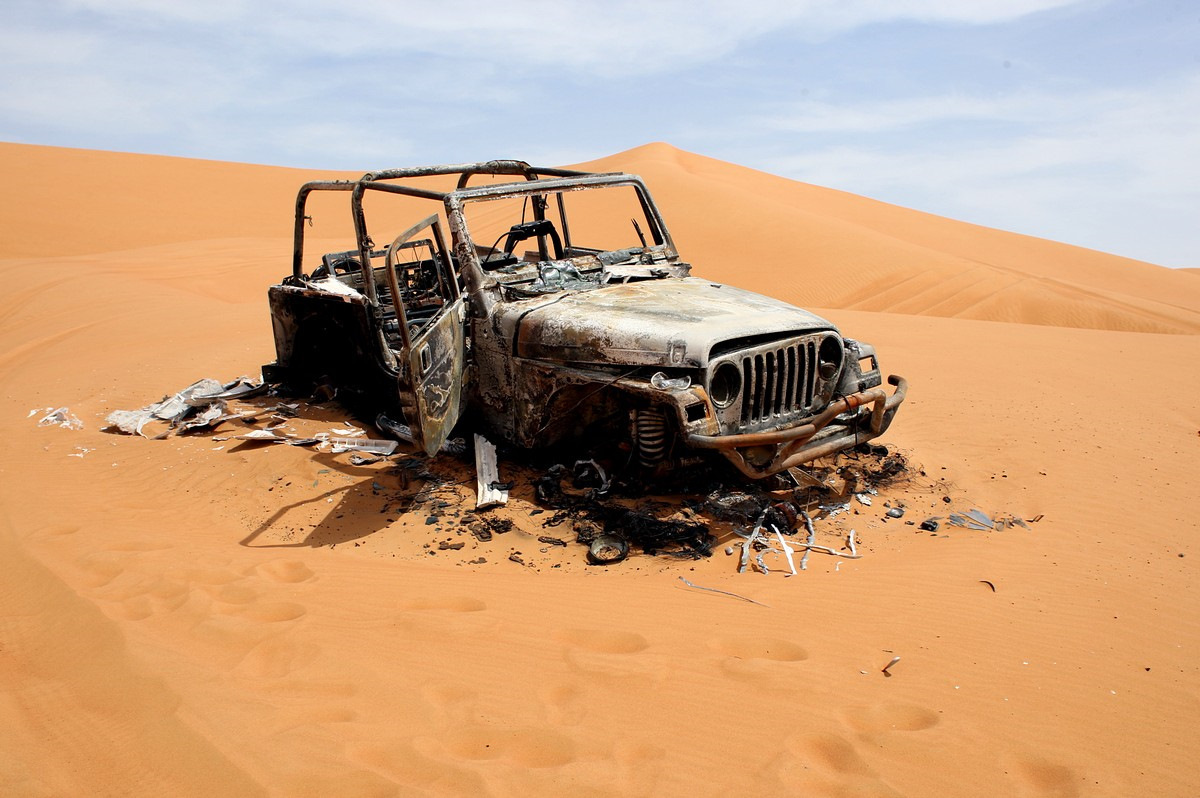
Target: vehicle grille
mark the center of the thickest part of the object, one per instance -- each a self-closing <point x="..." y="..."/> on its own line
<point x="779" y="380"/>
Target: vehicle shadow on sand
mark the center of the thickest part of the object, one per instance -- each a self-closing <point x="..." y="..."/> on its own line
<point x="356" y="509"/>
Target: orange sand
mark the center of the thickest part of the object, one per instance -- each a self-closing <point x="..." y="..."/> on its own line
<point x="189" y="617"/>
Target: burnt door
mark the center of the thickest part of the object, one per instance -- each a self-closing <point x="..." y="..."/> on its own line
<point x="431" y="316"/>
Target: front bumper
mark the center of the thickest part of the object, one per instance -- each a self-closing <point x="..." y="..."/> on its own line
<point x="761" y="454"/>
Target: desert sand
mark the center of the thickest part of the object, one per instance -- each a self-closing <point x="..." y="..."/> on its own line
<point x="195" y="617"/>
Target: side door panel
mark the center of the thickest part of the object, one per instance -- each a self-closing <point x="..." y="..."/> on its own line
<point x="433" y="348"/>
<point x="435" y="363"/>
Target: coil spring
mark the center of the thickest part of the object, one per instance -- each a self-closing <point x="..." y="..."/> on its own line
<point x="650" y="433"/>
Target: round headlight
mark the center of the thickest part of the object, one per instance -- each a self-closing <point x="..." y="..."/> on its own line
<point x="725" y="385"/>
<point x="830" y="357"/>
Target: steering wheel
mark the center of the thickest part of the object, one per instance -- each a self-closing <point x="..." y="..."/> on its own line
<point x="541" y="228"/>
<point x="340" y="266"/>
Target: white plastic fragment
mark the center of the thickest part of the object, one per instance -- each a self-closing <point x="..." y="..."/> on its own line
<point x="373" y="445"/>
<point x="787" y="551"/>
<point x="348" y="432"/>
<point x="850" y="541"/>
<point x="60" y="417"/>
<point x="271" y="436"/>
<point x="130" y="422"/>
<point x="487" y="474"/>
<point x="863" y="499"/>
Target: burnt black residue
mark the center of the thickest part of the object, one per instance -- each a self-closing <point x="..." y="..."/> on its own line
<point x="654" y="536"/>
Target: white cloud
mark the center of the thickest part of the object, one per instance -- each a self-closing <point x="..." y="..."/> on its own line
<point x="616" y="37"/>
<point x="1110" y="169"/>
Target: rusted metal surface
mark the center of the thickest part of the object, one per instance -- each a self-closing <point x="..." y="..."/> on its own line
<point x="566" y="338"/>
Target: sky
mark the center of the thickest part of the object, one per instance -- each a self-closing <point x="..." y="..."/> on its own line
<point x="1074" y="121"/>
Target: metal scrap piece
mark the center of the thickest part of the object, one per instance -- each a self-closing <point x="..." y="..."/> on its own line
<point x="722" y="592"/>
<point x="372" y="445"/>
<point x="487" y="472"/>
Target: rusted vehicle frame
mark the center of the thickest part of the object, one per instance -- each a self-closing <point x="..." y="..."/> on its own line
<point x="763" y="383"/>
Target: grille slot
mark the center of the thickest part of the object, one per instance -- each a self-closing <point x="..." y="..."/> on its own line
<point x="778" y="381"/>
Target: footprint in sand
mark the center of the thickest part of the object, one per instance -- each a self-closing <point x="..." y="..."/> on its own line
<point x="530" y="748"/>
<point x="609" y="652"/>
<point x="830" y="752"/>
<point x="602" y="641"/>
<point x="444" y="604"/>
<point x="889" y="717"/>
<point x="272" y="611"/>
<point x="826" y="764"/>
<point x="755" y="656"/>
<point x="434" y="617"/>
<point x="1041" y="778"/>
<point x="452" y="702"/>
<point x="276" y="658"/>
<point x="565" y="703"/>
<point x="291" y="571"/>
<point x="755" y="647"/>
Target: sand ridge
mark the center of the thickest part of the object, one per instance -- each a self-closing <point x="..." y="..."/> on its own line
<point x="159" y="633"/>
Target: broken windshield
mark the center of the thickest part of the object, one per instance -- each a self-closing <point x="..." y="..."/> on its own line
<point x="575" y="239"/>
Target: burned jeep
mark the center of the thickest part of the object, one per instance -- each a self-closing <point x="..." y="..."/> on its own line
<point x="547" y="303"/>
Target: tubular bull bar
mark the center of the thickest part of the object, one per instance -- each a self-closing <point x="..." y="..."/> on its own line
<point x="812" y="439"/>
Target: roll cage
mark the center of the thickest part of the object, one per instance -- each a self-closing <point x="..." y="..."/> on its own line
<point x="538" y="182"/>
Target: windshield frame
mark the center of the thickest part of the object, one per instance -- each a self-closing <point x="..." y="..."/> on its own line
<point x="663" y="246"/>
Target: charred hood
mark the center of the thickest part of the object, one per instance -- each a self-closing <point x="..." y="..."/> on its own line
<point x="666" y="322"/>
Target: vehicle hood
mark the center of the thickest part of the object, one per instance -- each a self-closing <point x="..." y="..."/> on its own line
<point x="672" y="322"/>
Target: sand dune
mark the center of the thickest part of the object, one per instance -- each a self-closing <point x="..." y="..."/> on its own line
<point x="195" y="617"/>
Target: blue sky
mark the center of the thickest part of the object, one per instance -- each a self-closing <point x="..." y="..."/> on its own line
<point x="1076" y="121"/>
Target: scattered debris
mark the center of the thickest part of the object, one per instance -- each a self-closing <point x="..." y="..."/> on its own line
<point x="895" y="512"/>
<point x="59" y="417"/>
<point x="551" y="541"/>
<point x="363" y="460"/>
<point x="722" y="592"/>
<point x="850" y="542"/>
<point x="978" y="520"/>
<point x="787" y="552"/>
<point x="590" y="474"/>
<point x="446" y="545"/>
<point x="516" y="557"/>
<point x="930" y="524"/>
<point x="989" y="584"/>
<point x="863" y="499"/>
<point x="195" y="402"/>
<point x="372" y="445"/>
<point x="487" y="474"/>
<point x="888" y="667"/>
<point x="349" y="432"/>
<point x="812" y="538"/>
<point x="679" y="538"/>
<point x="269" y="435"/>
<point x="455" y="447"/>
